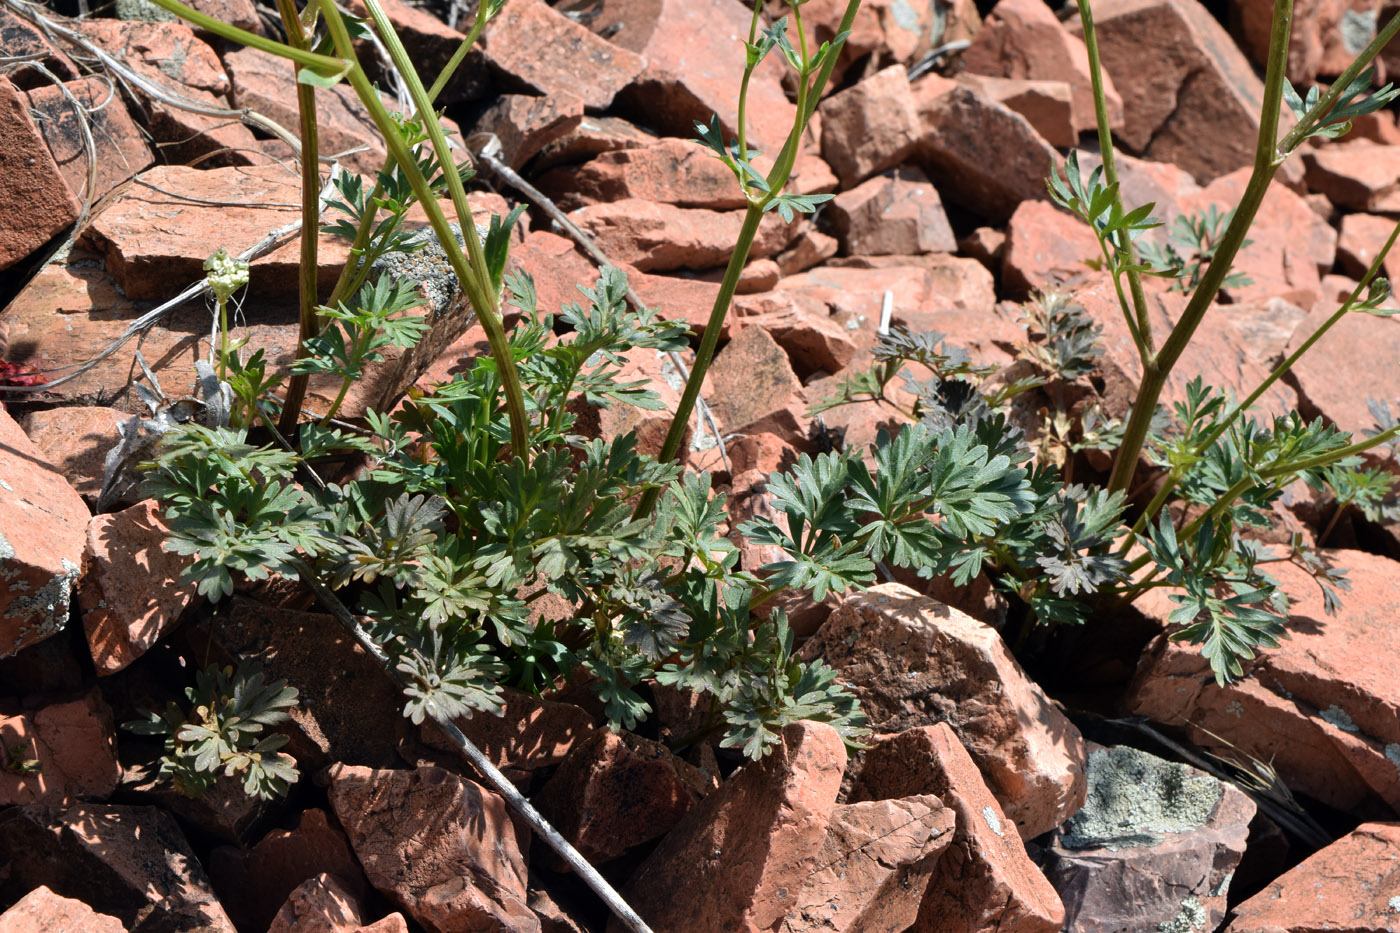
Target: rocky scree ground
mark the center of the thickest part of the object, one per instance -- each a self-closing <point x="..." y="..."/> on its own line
<point x="993" y="796"/>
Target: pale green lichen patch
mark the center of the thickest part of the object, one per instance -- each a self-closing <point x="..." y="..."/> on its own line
<point x="7" y="550"/>
<point x="1392" y="752"/>
<point x="1394" y="904"/>
<point x="45" y="611"/>
<point x="1339" y="718"/>
<point x="1192" y="918"/>
<point x="990" y="815"/>
<point x="1134" y="799"/>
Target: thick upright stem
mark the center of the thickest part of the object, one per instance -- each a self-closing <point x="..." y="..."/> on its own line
<point x="1266" y="162"/>
<point x="310" y="220"/>
<point x="472" y="276"/>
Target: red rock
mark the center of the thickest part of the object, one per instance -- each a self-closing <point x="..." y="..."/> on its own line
<point x="548" y="52"/>
<point x="1378" y="127"/>
<point x="1360" y="240"/>
<point x="1291" y="246"/>
<point x="658" y="237"/>
<point x="1359" y="176"/>
<point x="255" y="883"/>
<point x="1339" y="393"/>
<point x="897" y="213"/>
<point x="685" y="297"/>
<point x="592" y="137"/>
<point x="763" y="453"/>
<point x="21" y="39"/>
<point x="1319" y="41"/>
<point x="75" y="439"/>
<point x="692" y="69"/>
<point x="1348" y="887"/>
<point x="319" y="905"/>
<point x="1266" y="327"/>
<point x="985" y="880"/>
<point x="36" y="203"/>
<point x="132" y="593"/>
<point x="987" y="245"/>
<point x="1047" y="249"/>
<point x="981" y="154"/>
<point x="348" y="709"/>
<point x="42" y="911"/>
<point x="1047" y="105"/>
<point x="746" y="850"/>
<point x="394" y="923"/>
<point x="526" y="124"/>
<point x="556" y="267"/>
<point x="615" y="792"/>
<point x="1143" y="181"/>
<point x="1024" y="39"/>
<point x="1216" y="353"/>
<point x="72" y="746"/>
<point x="1318" y="707"/>
<point x="672" y="171"/>
<point x="442" y="847"/>
<point x="875" y="864"/>
<point x="758" y="275"/>
<point x="267" y="84"/>
<point x="173" y="58"/>
<point x="802" y="326"/>
<point x="121" y="149"/>
<point x="869" y="127"/>
<point x="430" y="44"/>
<point x="921" y="662"/>
<point x="532" y="733"/>
<point x="155" y="242"/>
<point x="921" y="286"/>
<point x="750" y="380"/>
<point x="1154" y="841"/>
<point x="130" y="862"/>
<point x="1189" y="95"/>
<point x="42" y="535"/>
<point x="649" y="426"/>
<point x="811" y="248"/>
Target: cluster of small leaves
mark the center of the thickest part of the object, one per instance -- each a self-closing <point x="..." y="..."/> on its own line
<point x="1350" y="104"/>
<point x="221" y="733"/>
<point x="1099" y="206"/>
<point x="1065" y="340"/>
<point x="444" y="545"/>
<point x="1191" y="244"/>
<point x="754" y="182"/>
<point x="946" y="394"/>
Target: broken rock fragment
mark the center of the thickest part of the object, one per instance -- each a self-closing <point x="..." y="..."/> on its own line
<point x="1154" y="841"/>
<point x="869" y="127"/>
<point x="442" y="847"/>
<point x="43" y="525"/>
<point x="1319" y="707"/>
<point x="548" y="53"/>
<point x="874" y="866"/>
<point x="914" y="662"/>
<point x="1024" y="39"/>
<point x="896" y="213"/>
<point x="1349" y="886"/>
<point x="740" y="858"/>
<point x="43" y="911"/>
<point x="36" y="202"/>
<point x="984" y="880"/>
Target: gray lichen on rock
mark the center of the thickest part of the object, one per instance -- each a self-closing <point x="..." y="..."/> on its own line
<point x="1135" y="799"/>
<point x="1193" y="918"/>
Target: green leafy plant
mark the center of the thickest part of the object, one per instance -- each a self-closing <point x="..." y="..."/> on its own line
<point x="220" y="735"/>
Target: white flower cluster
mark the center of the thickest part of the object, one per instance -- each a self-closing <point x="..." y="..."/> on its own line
<point x="226" y="274"/>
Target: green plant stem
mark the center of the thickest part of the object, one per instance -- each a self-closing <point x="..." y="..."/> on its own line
<point x="807" y="96"/>
<point x="1266" y="162"/>
<point x="741" y="131"/>
<point x="1242" y="485"/>
<point x="1325" y="103"/>
<point x="473" y="277"/>
<point x="1278" y="373"/>
<point x="310" y="221"/>
<point x="223" y="338"/>
<point x="355" y="270"/>
<point x="324" y="66"/>
<point x="1142" y="333"/>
